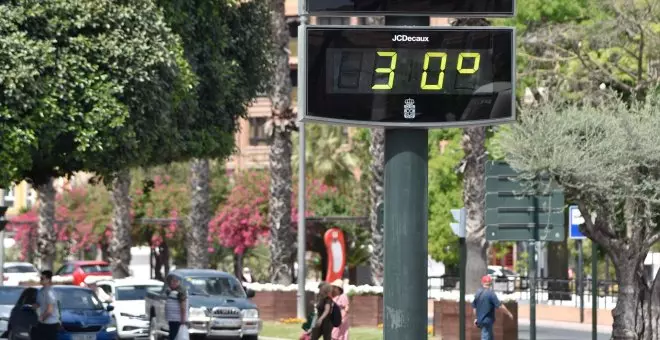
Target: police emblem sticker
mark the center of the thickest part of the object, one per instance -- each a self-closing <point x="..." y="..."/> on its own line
<point x="409" y="109"/>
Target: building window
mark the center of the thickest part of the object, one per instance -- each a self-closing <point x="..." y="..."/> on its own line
<point x="258" y="131"/>
<point x="333" y="21"/>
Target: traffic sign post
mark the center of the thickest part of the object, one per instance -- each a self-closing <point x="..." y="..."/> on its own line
<point x="518" y="212"/>
<point x="407" y="77"/>
<point x="458" y="227"/>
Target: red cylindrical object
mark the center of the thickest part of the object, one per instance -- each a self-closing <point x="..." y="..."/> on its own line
<point x="336" y="250"/>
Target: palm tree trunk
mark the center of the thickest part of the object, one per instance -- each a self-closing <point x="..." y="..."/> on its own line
<point x="200" y="214"/>
<point x="121" y="242"/>
<point x="376" y="189"/>
<point x="46" y="228"/>
<point x="281" y="234"/>
<point x="474" y="194"/>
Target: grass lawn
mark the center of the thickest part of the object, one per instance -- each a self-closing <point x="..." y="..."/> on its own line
<point x="293" y="331"/>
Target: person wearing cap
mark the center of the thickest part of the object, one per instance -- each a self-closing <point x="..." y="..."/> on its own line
<point x="484" y="304"/>
<point x="47" y="308"/>
<point x="341" y="300"/>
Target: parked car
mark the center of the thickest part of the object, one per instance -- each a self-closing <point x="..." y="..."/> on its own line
<point x="83" y="316"/>
<point x="128" y="299"/>
<point x="219" y="306"/>
<point x="79" y="270"/>
<point x="505" y="280"/>
<point x="17" y="272"/>
<point x="8" y="297"/>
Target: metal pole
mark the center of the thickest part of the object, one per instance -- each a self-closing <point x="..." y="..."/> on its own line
<point x="532" y="272"/>
<point x="2" y="244"/>
<point x="461" y="310"/>
<point x="301" y="175"/>
<point x="405" y="311"/>
<point x="580" y="278"/>
<point x="594" y="291"/>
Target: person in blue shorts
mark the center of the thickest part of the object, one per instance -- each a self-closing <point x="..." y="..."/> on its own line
<point x="485" y="304"/>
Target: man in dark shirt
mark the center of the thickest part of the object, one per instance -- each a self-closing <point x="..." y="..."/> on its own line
<point x="485" y="303"/>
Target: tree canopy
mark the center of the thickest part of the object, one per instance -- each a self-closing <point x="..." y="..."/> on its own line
<point x="605" y="153"/>
<point x="81" y="80"/>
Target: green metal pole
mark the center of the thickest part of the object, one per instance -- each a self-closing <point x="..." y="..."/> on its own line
<point x="594" y="291"/>
<point x="532" y="272"/>
<point x="405" y="284"/>
<point x="461" y="311"/>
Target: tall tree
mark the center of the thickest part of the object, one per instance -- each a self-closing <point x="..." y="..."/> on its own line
<point x="227" y="46"/>
<point x="604" y="153"/>
<point x="70" y="88"/>
<point x="474" y="191"/>
<point x="200" y="214"/>
<point x="376" y="193"/>
<point x="282" y="123"/>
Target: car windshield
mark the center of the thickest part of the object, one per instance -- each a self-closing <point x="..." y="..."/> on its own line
<point x="21" y="268"/>
<point x="222" y="286"/>
<point x="127" y="293"/>
<point x="95" y="268"/>
<point x="9" y="295"/>
<point x="78" y="299"/>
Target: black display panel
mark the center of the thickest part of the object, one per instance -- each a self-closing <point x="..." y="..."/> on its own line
<point x="452" y="8"/>
<point x="402" y="76"/>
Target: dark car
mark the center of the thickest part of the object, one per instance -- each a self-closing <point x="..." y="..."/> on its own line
<point x="83" y="315"/>
<point x="219" y="306"/>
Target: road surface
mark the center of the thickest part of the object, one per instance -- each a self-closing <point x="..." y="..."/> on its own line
<point x="553" y="333"/>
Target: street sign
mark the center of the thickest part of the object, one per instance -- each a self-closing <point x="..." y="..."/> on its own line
<point x="402" y="76"/>
<point x="514" y="212"/>
<point x="447" y="8"/>
<point x="574" y="220"/>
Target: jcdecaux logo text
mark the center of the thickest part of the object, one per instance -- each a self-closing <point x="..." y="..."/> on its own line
<point x="403" y="37"/>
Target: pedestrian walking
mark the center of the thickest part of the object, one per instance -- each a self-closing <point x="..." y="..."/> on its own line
<point x="323" y="326"/>
<point x="176" y="306"/>
<point x="485" y="304"/>
<point x="341" y="301"/>
<point x="48" y="310"/>
<point x="247" y="276"/>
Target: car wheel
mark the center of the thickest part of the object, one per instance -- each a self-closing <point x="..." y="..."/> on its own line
<point x="250" y="337"/>
<point x="153" y="335"/>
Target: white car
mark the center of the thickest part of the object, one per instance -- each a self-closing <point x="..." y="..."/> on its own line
<point x="128" y="299"/>
<point x="508" y="285"/>
<point x="17" y="272"/>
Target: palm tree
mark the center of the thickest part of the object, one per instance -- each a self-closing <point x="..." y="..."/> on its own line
<point x="46" y="225"/>
<point x="376" y="189"/>
<point x="474" y="191"/>
<point x="200" y="214"/>
<point x="282" y="124"/>
<point x="121" y="241"/>
<point x="327" y="156"/>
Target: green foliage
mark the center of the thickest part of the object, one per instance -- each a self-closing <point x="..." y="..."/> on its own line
<point x="586" y="43"/>
<point x="227" y="46"/>
<point x="445" y="193"/>
<point x="85" y="85"/>
<point x="327" y="155"/>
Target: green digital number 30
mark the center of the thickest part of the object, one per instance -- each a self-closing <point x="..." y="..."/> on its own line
<point x="389" y="71"/>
